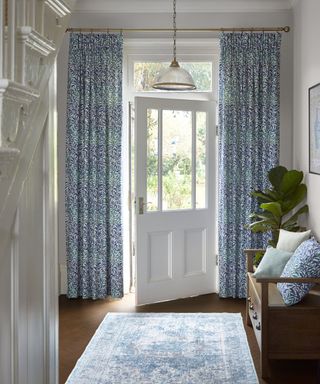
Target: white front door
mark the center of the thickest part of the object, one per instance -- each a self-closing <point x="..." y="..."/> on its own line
<point x="175" y="198"/>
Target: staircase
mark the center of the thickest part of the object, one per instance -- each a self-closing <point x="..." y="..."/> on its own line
<point x="31" y="32"/>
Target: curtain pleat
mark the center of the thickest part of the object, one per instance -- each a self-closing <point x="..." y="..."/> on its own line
<point x="93" y="166"/>
<point x="249" y="98"/>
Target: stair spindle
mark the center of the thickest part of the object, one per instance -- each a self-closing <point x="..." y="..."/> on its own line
<point x="11" y="27"/>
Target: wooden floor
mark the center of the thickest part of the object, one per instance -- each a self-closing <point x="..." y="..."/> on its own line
<point x="80" y="318"/>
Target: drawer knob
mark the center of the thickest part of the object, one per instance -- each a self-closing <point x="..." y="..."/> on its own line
<point x="251" y="306"/>
<point x="255" y="316"/>
<point x="258" y="327"/>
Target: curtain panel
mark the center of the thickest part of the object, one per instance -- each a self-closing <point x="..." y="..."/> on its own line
<point x="93" y="166"/>
<point x="249" y="93"/>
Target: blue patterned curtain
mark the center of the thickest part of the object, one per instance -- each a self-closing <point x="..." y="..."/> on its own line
<point x="93" y="166"/>
<point x="248" y="144"/>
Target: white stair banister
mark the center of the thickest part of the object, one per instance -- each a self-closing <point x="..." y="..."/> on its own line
<point x="21" y="12"/>
<point x="31" y="12"/>
<point x="2" y="24"/>
<point x="40" y="16"/>
<point x="11" y="26"/>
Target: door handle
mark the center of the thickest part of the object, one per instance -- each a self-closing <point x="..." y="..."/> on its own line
<point x="142" y="204"/>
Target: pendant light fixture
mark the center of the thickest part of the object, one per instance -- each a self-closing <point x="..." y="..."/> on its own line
<point x="175" y="78"/>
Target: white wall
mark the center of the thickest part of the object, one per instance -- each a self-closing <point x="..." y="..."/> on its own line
<point x="163" y="20"/>
<point x="306" y="74"/>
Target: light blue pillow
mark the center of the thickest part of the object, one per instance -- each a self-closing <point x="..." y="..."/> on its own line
<point x="272" y="263"/>
<point x="305" y="262"/>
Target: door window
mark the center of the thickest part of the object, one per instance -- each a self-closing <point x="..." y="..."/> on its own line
<point x="176" y="160"/>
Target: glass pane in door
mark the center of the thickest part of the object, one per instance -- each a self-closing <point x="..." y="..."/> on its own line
<point x="152" y="159"/>
<point x="201" y="159"/>
<point x="176" y="160"/>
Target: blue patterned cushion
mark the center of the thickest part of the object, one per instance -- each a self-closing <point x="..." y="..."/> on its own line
<point x="305" y="262"/>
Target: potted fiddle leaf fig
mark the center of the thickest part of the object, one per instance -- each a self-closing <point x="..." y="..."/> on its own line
<point x="281" y="204"/>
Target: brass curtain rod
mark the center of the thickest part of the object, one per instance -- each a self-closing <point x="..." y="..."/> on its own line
<point x="253" y="29"/>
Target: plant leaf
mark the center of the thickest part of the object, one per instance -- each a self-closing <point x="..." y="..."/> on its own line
<point x="276" y="175"/>
<point x="274" y="208"/>
<point x="290" y="181"/>
<point x="295" y="198"/>
<point x="262" y="215"/>
<point x="260" y="226"/>
<point x="293" y="228"/>
<point x="257" y="258"/>
<point x="274" y="194"/>
<point x="293" y="219"/>
<point x="273" y="243"/>
<point x="261" y="196"/>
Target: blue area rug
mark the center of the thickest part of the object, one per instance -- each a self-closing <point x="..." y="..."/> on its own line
<point x="167" y="348"/>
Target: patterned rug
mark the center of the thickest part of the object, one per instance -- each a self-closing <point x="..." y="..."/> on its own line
<point x="167" y="348"/>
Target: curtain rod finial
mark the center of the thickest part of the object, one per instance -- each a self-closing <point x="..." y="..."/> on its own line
<point x="286" y="29"/>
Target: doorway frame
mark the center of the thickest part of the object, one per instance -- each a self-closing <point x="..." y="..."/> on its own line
<point x="153" y="50"/>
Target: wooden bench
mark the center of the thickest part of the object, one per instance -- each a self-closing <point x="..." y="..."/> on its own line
<point x="282" y="332"/>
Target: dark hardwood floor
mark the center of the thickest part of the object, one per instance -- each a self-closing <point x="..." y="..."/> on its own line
<point x="80" y="318"/>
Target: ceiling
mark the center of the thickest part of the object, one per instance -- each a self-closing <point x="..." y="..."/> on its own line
<point x="188" y="6"/>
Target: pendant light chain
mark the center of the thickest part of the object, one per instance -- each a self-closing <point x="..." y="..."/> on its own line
<point x="175" y="78"/>
<point x="175" y="30"/>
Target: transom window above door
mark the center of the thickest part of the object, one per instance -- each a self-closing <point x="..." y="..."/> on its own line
<point x="145" y="59"/>
<point x="147" y="73"/>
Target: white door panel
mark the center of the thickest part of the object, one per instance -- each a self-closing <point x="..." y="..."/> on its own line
<point x="175" y="190"/>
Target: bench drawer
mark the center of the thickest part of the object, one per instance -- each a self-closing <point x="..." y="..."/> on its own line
<point x="254" y="308"/>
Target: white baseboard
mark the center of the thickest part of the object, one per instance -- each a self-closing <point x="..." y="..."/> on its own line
<point x="63" y="279"/>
